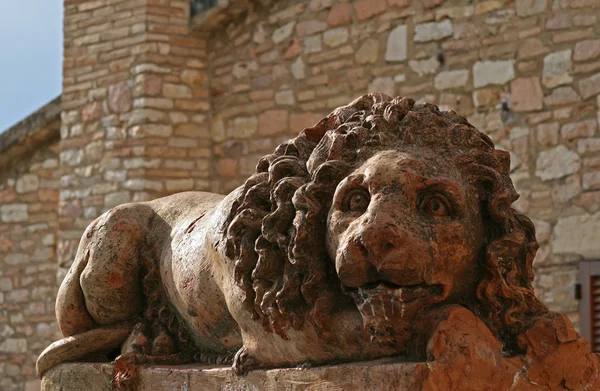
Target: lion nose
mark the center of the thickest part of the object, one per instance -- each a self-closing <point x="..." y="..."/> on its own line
<point x="376" y="254"/>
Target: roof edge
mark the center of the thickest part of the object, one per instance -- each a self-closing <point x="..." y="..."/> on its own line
<point x="38" y="128"/>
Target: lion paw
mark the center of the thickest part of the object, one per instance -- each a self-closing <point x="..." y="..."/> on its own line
<point x="243" y="362"/>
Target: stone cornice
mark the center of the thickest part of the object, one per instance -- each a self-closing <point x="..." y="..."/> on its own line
<point x="35" y="130"/>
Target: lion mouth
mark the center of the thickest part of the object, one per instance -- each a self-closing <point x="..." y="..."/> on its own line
<point x="401" y="293"/>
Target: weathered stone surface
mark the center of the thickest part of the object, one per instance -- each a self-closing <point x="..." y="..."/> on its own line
<point x="527" y="94"/>
<point x="384" y="85"/>
<point x="284" y="32"/>
<point x="339" y="15"/>
<point x="298" y="69"/>
<point x="13" y="213"/>
<point x="336" y="37"/>
<point x="557" y="68"/>
<point x="580" y="129"/>
<point x="425" y="67"/>
<point x="366" y="9"/>
<point x="547" y="134"/>
<point x="368" y="52"/>
<point x="530" y="7"/>
<point x="591" y="180"/>
<point x="433" y="31"/>
<point x="589" y="86"/>
<point x="586" y="50"/>
<point x="119" y="98"/>
<point x="397" y="44"/>
<point x="577" y="235"/>
<point x="27" y="183"/>
<point x="562" y="96"/>
<point x="556" y="163"/>
<point x="451" y="79"/>
<point x="272" y="122"/>
<point x="492" y="72"/>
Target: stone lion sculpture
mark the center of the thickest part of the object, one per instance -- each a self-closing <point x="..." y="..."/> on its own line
<point x="384" y="230"/>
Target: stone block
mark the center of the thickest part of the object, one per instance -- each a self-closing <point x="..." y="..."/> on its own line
<point x="366" y="9"/>
<point x="530" y="7"/>
<point x="588" y="145"/>
<point x="368" y="52"/>
<point x="242" y="127"/>
<point x="339" y="15"/>
<point x="556" y="163"/>
<point x="284" y="32"/>
<point x="383" y="85"/>
<point x="451" y="79"/>
<point x="547" y="134"/>
<point x="273" y="122"/>
<point x="492" y="72"/>
<point x="304" y="120"/>
<point x="589" y="86"/>
<point x="526" y="93"/>
<point x="586" y="50"/>
<point x="27" y="183"/>
<point x="336" y="37"/>
<point x="310" y="27"/>
<point x="591" y="180"/>
<point x="312" y="44"/>
<point x="557" y="67"/>
<point x="433" y="31"/>
<point x="577" y="235"/>
<point x="580" y="129"/>
<point x="119" y="98"/>
<point x="176" y="91"/>
<point x="562" y="96"/>
<point x="426" y="66"/>
<point x="297" y="69"/>
<point x="13" y="213"/>
<point x="396" y="45"/>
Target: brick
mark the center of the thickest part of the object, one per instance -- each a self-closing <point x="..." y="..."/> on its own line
<point x="526" y="94"/>
<point x="273" y="122"/>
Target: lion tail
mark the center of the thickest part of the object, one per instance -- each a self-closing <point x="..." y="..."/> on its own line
<point x="83" y="344"/>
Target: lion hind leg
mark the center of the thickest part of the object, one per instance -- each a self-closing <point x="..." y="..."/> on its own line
<point x="79" y="346"/>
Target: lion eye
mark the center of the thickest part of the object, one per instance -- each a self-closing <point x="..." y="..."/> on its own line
<point x="357" y="201"/>
<point x="436" y="205"/>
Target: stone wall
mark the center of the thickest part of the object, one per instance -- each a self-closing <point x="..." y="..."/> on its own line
<point x="135" y="104"/>
<point x="524" y="72"/>
<point x="29" y="187"/>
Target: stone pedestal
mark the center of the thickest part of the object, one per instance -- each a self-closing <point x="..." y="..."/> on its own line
<point x="374" y="375"/>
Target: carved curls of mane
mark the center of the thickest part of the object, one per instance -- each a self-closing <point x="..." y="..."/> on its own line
<point x="277" y="225"/>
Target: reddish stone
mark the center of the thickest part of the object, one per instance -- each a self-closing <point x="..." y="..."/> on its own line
<point x="562" y="96"/>
<point x="586" y="50"/>
<point x="340" y="14"/>
<point x="7" y="195"/>
<point x="71" y="208"/>
<point x="303" y="120"/>
<point x="227" y="167"/>
<point x="292" y="50"/>
<point x="119" y="98"/>
<point x="48" y="195"/>
<point x="5" y="244"/>
<point x="91" y="112"/>
<point x="310" y="27"/>
<point x="527" y="94"/>
<point x="399" y="3"/>
<point x="272" y="122"/>
<point x="152" y="85"/>
<point x="366" y="9"/>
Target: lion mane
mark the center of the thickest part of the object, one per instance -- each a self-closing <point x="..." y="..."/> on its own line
<point x="277" y="225"/>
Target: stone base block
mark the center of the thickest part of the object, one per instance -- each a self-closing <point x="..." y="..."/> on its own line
<point x="385" y="374"/>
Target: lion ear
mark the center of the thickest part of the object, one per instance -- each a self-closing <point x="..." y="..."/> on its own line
<point x="503" y="158"/>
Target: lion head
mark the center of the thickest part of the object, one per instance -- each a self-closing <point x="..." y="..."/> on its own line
<point x="392" y="206"/>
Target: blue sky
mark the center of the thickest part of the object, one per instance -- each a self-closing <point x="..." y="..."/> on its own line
<point x="30" y="56"/>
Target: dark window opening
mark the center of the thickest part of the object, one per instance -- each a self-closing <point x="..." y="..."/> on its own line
<point x="589" y="275"/>
<point x="199" y="6"/>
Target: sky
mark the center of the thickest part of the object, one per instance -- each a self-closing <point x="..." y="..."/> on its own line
<point x="30" y="57"/>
